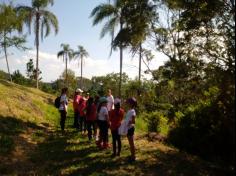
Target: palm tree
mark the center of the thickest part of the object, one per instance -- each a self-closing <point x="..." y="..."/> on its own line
<point x="9" y="22"/>
<point x="42" y="20"/>
<point x="80" y="54"/>
<point x="114" y="14"/>
<point x="66" y="53"/>
<point x="138" y="17"/>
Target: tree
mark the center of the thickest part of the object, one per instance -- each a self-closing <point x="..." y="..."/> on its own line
<point x="31" y="71"/>
<point x="43" y="21"/>
<point x="80" y="54"/>
<point x="18" y="78"/>
<point x="9" y="22"/>
<point x="114" y="14"/>
<point x="138" y="16"/>
<point x="66" y="53"/>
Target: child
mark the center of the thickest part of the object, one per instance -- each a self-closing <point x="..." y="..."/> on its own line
<point x="63" y="107"/>
<point x="116" y="116"/>
<point x="130" y="118"/>
<point x="82" y="106"/>
<point x="103" y="120"/>
<point x="91" y="116"/>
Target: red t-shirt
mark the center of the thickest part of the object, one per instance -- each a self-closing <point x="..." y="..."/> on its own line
<point x="91" y="113"/>
<point x="116" y="118"/>
<point x="76" y="102"/>
<point x="82" y="107"/>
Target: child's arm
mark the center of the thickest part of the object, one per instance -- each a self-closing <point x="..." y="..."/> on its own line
<point x="132" y="121"/>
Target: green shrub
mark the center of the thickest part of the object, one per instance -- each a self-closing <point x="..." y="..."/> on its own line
<point x="156" y="122"/>
<point x="205" y="129"/>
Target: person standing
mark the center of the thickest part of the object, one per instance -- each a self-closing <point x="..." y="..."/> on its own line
<point x="63" y="107"/>
<point x="103" y="121"/>
<point x="116" y="116"/>
<point x="82" y="115"/>
<point x="76" y="100"/>
<point x="130" y="119"/>
<point x="110" y="100"/>
<point x="91" y="116"/>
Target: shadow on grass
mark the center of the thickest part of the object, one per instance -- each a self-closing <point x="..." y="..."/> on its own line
<point x="72" y="154"/>
<point x="13" y="144"/>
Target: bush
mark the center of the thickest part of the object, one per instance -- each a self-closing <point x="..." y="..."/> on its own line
<point x="206" y="130"/>
<point x="156" y="122"/>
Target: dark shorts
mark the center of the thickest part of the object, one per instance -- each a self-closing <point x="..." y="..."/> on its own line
<point x="130" y="132"/>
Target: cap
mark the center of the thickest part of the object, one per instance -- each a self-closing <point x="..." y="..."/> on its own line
<point x="117" y="100"/>
<point x="103" y="100"/>
<point x="79" y="90"/>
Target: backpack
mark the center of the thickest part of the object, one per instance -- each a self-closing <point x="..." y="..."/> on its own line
<point x="57" y="102"/>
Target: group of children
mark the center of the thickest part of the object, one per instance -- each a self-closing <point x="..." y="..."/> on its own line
<point x="102" y="113"/>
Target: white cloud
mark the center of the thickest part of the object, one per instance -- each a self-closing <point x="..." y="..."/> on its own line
<point x="52" y="67"/>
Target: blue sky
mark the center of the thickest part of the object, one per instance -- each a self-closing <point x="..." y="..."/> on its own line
<point x="75" y="28"/>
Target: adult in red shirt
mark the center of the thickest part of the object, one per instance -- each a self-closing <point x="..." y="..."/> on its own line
<point x="91" y="117"/>
<point x="82" y="120"/>
<point x="116" y="116"/>
<point x="77" y="97"/>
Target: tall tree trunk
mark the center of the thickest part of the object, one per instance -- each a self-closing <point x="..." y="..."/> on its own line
<point x="121" y="62"/>
<point x="139" y="68"/>
<point x="140" y="63"/>
<point x="66" y="73"/>
<point x="81" y="78"/>
<point x="37" y="50"/>
<point x="5" y="52"/>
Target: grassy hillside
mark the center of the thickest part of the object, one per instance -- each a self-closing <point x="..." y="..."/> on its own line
<point x="31" y="144"/>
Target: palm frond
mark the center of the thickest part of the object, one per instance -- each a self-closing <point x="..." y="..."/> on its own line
<point x="101" y="12"/>
<point x="26" y="13"/>
<point x="51" y="20"/>
<point x="109" y="27"/>
<point x="45" y="24"/>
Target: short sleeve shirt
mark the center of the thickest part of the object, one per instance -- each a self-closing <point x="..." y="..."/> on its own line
<point x="103" y="113"/>
<point x="63" y="99"/>
<point x="128" y="117"/>
<point x="110" y="103"/>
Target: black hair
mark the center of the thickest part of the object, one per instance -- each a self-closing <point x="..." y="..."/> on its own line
<point x="64" y="90"/>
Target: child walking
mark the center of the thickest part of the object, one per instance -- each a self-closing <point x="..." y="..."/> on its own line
<point x="116" y="116"/>
<point x="130" y="118"/>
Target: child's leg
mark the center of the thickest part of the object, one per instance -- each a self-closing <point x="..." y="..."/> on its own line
<point x="105" y="134"/>
<point x="130" y="136"/>
<point x="85" y="124"/>
<point x="119" y="143"/>
<point x="114" y="142"/>
<point x="132" y="148"/>
<point x="89" y="124"/>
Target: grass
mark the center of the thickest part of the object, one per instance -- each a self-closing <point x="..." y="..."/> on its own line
<point x="31" y="143"/>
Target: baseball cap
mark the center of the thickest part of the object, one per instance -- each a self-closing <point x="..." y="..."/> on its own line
<point x="79" y="90"/>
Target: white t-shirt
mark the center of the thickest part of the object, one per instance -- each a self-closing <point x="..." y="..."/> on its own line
<point x="128" y="117"/>
<point x="63" y="99"/>
<point x="110" y="103"/>
<point x="103" y="113"/>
